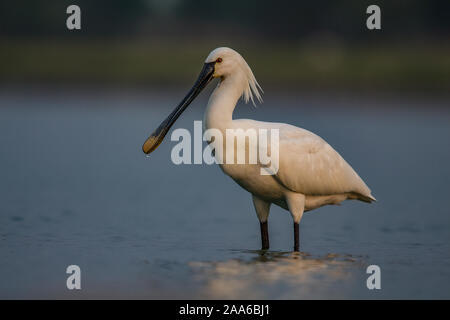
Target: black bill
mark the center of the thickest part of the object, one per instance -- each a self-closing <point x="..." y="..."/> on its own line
<point x="155" y="139"/>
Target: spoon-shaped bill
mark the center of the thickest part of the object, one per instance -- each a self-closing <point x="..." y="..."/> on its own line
<point x="155" y="139"/>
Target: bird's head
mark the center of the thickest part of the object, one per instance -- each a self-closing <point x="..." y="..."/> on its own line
<point x="220" y="63"/>
<point x="228" y="62"/>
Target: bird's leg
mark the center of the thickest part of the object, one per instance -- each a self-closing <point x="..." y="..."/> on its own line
<point x="296" y="236"/>
<point x="262" y="211"/>
<point x="296" y="205"/>
<point x="264" y="235"/>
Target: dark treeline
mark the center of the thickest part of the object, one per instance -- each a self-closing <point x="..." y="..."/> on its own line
<point x="278" y="19"/>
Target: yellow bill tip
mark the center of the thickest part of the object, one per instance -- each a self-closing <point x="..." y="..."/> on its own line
<point x="151" y="144"/>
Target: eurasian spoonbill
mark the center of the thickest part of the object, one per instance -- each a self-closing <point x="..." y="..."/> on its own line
<point x="311" y="173"/>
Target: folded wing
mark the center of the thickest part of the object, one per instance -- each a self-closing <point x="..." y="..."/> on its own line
<point x="309" y="165"/>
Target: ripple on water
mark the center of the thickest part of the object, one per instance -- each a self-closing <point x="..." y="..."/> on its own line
<point x="277" y="275"/>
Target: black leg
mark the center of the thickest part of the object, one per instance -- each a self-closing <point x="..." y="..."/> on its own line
<point x="264" y="235"/>
<point x="296" y="237"/>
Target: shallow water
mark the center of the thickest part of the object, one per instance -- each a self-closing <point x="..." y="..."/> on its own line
<point x="76" y="189"/>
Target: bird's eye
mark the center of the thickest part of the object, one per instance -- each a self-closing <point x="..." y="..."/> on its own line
<point x="219" y="60"/>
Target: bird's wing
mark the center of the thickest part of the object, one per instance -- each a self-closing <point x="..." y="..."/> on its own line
<point x="309" y="165"/>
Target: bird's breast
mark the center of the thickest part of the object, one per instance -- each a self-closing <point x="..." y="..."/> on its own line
<point x="249" y="177"/>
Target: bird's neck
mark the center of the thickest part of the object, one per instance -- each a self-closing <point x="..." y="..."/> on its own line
<point x="221" y="104"/>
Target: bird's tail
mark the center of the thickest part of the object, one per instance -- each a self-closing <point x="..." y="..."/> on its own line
<point x="361" y="197"/>
<point x="368" y="199"/>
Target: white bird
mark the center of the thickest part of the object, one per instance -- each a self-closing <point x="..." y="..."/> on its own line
<point x="310" y="174"/>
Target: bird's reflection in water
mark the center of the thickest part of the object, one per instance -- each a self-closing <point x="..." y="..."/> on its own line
<point x="279" y="275"/>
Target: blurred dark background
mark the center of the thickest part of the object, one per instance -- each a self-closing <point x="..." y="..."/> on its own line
<point x="312" y="44"/>
<point x="76" y="106"/>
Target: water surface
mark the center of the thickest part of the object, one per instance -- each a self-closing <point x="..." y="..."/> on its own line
<point x="76" y="189"/>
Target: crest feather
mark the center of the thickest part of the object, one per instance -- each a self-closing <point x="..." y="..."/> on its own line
<point x="253" y="90"/>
